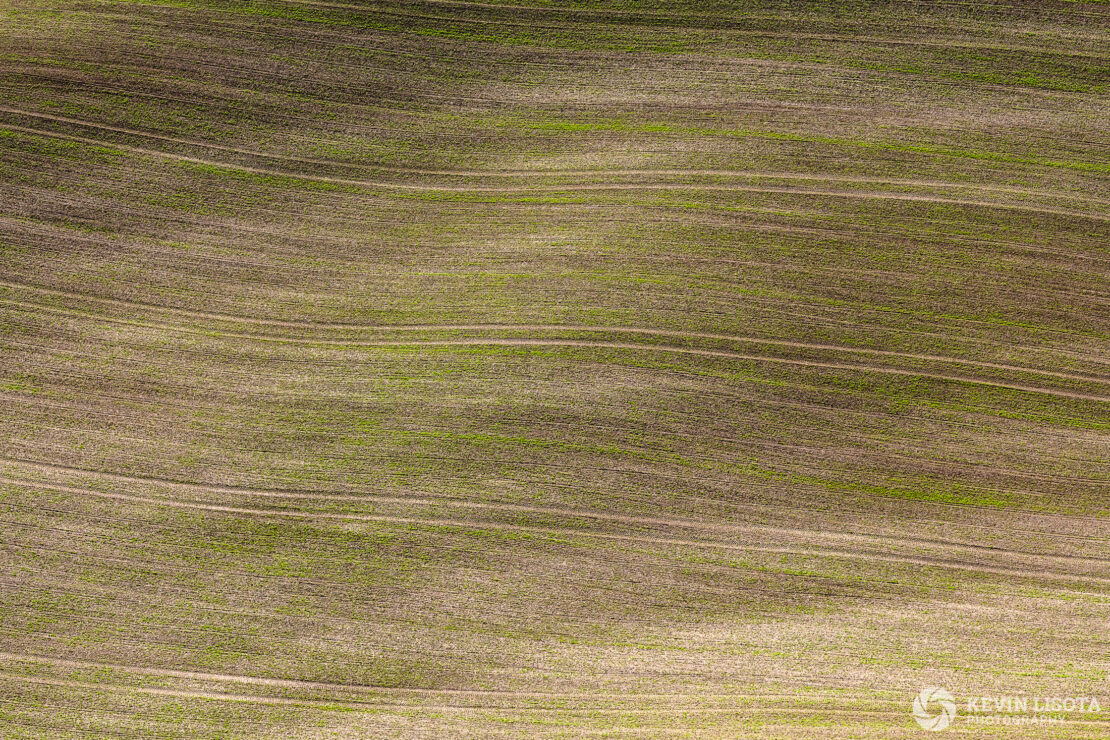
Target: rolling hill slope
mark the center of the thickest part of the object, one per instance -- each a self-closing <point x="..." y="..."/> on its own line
<point x="459" y="369"/>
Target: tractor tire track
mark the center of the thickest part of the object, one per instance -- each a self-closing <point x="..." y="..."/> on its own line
<point x="644" y="331"/>
<point x="597" y="187"/>
<point x="629" y="519"/>
<point x="520" y="342"/>
<point x="929" y="561"/>
<point x="800" y="176"/>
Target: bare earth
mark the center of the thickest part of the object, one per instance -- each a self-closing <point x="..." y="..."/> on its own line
<point x="438" y="369"/>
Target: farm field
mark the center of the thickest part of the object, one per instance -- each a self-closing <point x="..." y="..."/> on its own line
<point x="449" y="369"/>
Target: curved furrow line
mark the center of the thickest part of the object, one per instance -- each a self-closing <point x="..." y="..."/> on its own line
<point x="876" y="603"/>
<point x="234" y="375"/>
<point x="800" y="176"/>
<point x="563" y="28"/>
<point x="216" y="696"/>
<point x="610" y="536"/>
<point x="135" y="418"/>
<point x="703" y="456"/>
<point x="109" y="598"/>
<point x="754" y="358"/>
<point x="722" y="285"/>
<point x="742" y="707"/>
<point x="405" y="11"/>
<point x="106" y="616"/>
<point x="169" y="255"/>
<point x="711" y="17"/>
<point x="496" y="342"/>
<point x="56" y="230"/>
<point x="521" y="343"/>
<point x="524" y="464"/>
<point x="425" y="500"/>
<point x="598" y="187"/>
<point x="825" y="322"/>
<point x="595" y="328"/>
<point x="283" y="682"/>
<point x="327" y="238"/>
<point x="42" y="229"/>
<point x="114" y="414"/>
<point x="618" y="12"/>
<point x="292" y="683"/>
<point x="615" y="14"/>
<point x="120" y="563"/>
<point x="701" y="480"/>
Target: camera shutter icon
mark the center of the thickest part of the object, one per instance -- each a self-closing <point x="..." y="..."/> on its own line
<point x="934" y="708"/>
